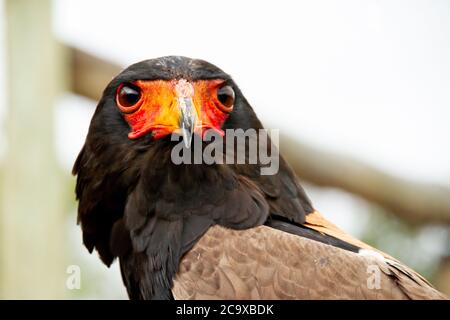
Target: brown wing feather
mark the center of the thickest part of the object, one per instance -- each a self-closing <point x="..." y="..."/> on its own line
<point x="265" y="263"/>
<point x="317" y="222"/>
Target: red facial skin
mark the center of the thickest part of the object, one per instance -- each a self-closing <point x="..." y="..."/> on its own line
<point x="157" y="109"/>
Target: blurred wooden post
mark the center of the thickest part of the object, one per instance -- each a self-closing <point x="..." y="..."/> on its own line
<point x="32" y="242"/>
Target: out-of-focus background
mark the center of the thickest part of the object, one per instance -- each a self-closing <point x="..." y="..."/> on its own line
<point x="359" y="90"/>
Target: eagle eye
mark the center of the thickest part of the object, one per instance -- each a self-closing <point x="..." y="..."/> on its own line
<point x="128" y="96"/>
<point x="225" y="95"/>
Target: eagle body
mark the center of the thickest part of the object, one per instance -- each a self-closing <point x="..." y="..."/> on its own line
<point x="210" y="231"/>
<point x="266" y="263"/>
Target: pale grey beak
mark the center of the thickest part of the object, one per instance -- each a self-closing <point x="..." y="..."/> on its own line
<point x="188" y="119"/>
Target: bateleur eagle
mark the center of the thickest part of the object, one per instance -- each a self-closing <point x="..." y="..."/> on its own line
<point x="218" y="230"/>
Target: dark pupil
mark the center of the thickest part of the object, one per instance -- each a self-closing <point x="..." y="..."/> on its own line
<point x="129" y="96"/>
<point x="225" y="96"/>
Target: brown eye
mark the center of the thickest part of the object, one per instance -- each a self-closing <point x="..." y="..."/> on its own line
<point x="128" y="97"/>
<point x="225" y="95"/>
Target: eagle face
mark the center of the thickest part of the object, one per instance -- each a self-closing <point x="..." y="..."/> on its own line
<point x="173" y="95"/>
<point x="176" y="100"/>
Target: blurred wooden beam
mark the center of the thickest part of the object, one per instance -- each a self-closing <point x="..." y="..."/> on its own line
<point x="32" y="261"/>
<point x="90" y="74"/>
<point x="414" y="202"/>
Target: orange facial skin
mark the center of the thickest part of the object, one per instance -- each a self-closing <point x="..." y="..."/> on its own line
<point x="158" y="108"/>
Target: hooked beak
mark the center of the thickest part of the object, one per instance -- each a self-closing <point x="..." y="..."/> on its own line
<point x="188" y="119"/>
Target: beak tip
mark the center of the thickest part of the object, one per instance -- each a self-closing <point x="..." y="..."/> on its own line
<point x="187" y="143"/>
<point x="187" y="137"/>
